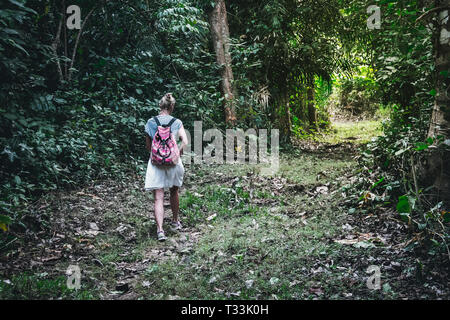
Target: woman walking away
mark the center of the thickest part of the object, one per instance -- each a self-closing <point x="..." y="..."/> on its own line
<point x="165" y="169"/>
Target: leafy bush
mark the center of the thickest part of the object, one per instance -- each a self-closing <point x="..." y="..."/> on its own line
<point x="56" y="133"/>
<point x="392" y="175"/>
<point x="357" y="96"/>
<point x="392" y="164"/>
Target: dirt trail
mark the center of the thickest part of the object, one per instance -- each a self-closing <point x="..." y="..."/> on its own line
<point x="292" y="236"/>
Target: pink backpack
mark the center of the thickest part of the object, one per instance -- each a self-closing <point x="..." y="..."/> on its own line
<point x="164" y="147"/>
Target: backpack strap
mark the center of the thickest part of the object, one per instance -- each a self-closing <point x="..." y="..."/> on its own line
<point x="164" y="125"/>
<point x="171" y="121"/>
<point x="157" y="121"/>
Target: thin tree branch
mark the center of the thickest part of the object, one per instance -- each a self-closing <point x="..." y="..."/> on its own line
<point x="77" y="42"/>
<point x="55" y="50"/>
<point x="65" y="38"/>
<point x="431" y="11"/>
<point x="140" y="12"/>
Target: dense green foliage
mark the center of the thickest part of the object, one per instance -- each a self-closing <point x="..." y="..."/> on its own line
<point x="67" y="121"/>
<point x="358" y="95"/>
<point x="402" y="58"/>
<point x="56" y="132"/>
<point x="296" y="46"/>
<point x="74" y="103"/>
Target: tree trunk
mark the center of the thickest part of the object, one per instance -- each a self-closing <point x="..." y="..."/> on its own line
<point x="312" y="112"/>
<point x="287" y="117"/>
<point x="220" y="35"/>
<point x="282" y="117"/>
<point x="55" y="46"/>
<point x="77" y="41"/>
<point x="439" y="161"/>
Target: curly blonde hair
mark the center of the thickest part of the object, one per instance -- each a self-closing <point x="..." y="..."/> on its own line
<point x="167" y="102"/>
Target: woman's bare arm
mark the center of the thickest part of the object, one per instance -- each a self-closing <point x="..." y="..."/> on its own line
<point x="183" y="137"/>
<point x="148" y="143"/>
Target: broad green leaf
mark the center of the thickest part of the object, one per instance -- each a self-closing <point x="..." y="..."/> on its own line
<point x="4" y="222"/>
<point x="446" y="216"/>
<point x="404" y="217"/>
<point x="15" y="44"/>
<point x="377" y="183"/>
<point x="5" y="219"/>
<point x="421" y="146"/>
<point x="401" y="151"/>
<point x="403" y="205"/>
<point x="17" y="3"/>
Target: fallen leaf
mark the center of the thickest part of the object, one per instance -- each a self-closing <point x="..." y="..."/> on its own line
<point x="91" y="232"/>
<point x="57" y="256"/>
<point x="93" y="196"/>
<point x="213" y="279"/>
<point x="364" y="244"/>
<point x="122" y="287"/>
<point x="274" y="280"/>
<point x="322" y="189"/>
<point x="346" y="241"/>
<point x="316" y="291"/>
<point x="93" y="226"/>
<point x="361" y="240"/>
<point x="293" y="283"/>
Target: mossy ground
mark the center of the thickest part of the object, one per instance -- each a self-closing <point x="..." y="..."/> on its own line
<point x="246" y="236"/>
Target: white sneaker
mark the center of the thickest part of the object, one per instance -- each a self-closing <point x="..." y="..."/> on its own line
<point x="161" y="236"/>
<point x="175" y="226"/>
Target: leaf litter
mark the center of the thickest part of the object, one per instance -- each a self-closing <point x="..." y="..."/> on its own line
<point x="102" y="225"/>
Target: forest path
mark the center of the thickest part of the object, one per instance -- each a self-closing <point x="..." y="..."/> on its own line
<point x="291" y="236"/>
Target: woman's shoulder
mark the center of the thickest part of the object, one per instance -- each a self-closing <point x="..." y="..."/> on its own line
<point x="152" y="120"/>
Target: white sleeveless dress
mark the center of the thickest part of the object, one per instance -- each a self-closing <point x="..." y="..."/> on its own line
<point x="163" y="177"/>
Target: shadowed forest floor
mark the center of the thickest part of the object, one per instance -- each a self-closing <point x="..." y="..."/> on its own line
<point x="291" y="236"/>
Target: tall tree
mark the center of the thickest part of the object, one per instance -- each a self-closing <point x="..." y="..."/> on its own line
<point x="439" y="161"/>
<point x="295" y="40"/>
<point x="220" y="36"/>
<point x="312" y="111"/>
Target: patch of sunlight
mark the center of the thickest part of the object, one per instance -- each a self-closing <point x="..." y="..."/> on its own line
<point x="357" y="132"/>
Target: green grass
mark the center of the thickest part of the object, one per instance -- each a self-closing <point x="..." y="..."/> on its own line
<point x="218" y="200"/>
<point x="29" y="286"/>
<point x="272" y="247"/>
<point x="247" y="239"/>
<point x="356" y="132"/>
<point x="309" y="169"/>
<point x="274" y="250"/>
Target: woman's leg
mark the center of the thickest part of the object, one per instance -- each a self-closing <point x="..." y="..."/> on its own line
<point x="159" y="208"/>
<point x="174" y="203"/>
